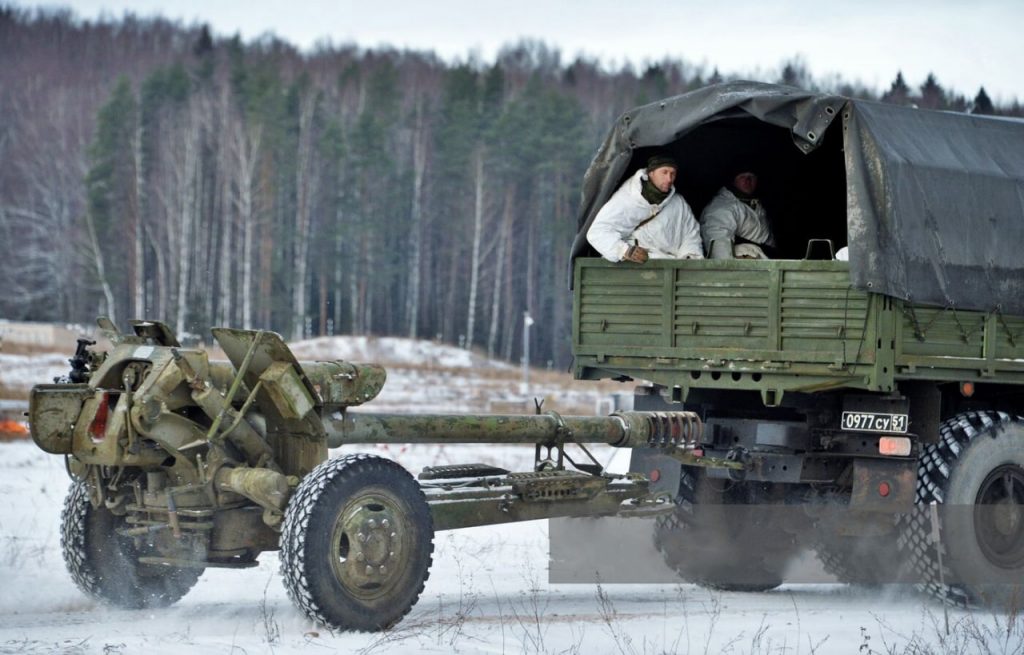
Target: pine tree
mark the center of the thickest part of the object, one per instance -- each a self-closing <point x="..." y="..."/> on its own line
<point x="457" y="139"/>
<point x="982" y="104"/>
<point x="653" y="84"/>
<point x="898" y="93"/>
<point x="795" y="73"/>
<point x="932" y="95"/>
<point x="379" y="201"/>
<point x="112" y="213"/>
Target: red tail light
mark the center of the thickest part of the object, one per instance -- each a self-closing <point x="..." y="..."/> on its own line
<point x="898" y="446"/>
<point x="98" y="427"/>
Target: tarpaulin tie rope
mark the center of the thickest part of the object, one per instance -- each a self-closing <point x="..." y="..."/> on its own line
<point x="1011" y="336"/>
<point x="920" y="333"/>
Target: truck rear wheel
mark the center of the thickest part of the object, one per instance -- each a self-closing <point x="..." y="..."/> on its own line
<point x="975" y="475"/>
<point x="859" y="560"/>
<point x="720" y="537"/>
<point x="356" y="543"/>
<point x="104" y="564"/>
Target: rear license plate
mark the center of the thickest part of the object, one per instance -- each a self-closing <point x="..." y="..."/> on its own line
<point x="874" y="422"/>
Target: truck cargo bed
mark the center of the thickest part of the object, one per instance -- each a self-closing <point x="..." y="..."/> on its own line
<point x="775" y="326"/>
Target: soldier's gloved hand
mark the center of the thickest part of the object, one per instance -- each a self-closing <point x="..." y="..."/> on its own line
<point x="635" y="254"/>
<point x="721" y="249"/>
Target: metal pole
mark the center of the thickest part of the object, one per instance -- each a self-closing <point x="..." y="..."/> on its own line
<point x="527" y="322"/>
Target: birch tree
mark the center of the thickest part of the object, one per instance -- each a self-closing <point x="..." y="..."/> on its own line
<point x="420" y="139"/>
<point x="306" y="181"/>
<point x="186" y="172"/>
<point x="245" y="143"/>
<point x="478" y="223"/>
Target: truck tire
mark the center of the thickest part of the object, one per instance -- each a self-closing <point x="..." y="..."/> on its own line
<point x="857" y="560"/>
<point x="357" y="543"/>
<point x="104" y="564"/>
<point x="975" y="476"/>
<point x="719" y="537"/>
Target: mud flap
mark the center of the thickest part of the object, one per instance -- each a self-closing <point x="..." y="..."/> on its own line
<point x="884" y="485"/>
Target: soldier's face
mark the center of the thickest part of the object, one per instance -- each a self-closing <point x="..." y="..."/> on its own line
<point x="663" y="177"/>
<point x="746" y="182"/>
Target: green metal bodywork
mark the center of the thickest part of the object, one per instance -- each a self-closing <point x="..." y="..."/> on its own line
<point x="775" y="326"/>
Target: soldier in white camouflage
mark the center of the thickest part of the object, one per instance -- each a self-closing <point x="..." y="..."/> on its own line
<point x="647" y="218"/>
<point x="735" y="223"/>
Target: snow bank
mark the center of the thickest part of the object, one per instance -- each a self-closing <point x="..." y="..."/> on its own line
<point x="392" y="351"/>
<point x="22" y="372"/>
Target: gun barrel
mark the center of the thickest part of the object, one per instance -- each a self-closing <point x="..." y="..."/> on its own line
<point x="623" y="429"/>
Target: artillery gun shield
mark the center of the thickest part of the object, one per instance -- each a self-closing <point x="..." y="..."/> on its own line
<point x="53" y="409"/>
<point x="284" y="395"/>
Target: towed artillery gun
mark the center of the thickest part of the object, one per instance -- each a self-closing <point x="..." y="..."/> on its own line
<point x="181" y="463"/>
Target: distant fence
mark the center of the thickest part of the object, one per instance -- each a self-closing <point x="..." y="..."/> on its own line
<point x="40" y="335"/>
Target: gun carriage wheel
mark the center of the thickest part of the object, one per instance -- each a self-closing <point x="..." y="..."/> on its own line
<point x="356" y="543"/>
<point x="104" y="563"/>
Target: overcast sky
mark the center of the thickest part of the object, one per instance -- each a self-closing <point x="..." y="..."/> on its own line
<point x="966" y="44"/>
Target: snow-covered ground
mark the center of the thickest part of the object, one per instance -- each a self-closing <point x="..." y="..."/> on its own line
<point x="488" y="590"/>
<point x="487" y="593"/>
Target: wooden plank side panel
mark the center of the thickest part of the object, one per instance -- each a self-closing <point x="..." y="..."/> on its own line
<point x="821" y="313"/>
<point x="721" y="309"/>
<point x="621" y="308"/>
<point x="788" y="311"/>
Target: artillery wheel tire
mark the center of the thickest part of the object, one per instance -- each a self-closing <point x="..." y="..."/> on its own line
<point x="356" y="543"/>
<point x="718" y="540"/>
<point x="975" y="474"/>
<point x="104" y="564"/>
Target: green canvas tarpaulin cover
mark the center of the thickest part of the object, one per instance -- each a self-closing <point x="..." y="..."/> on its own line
<point x="934" y="200"/>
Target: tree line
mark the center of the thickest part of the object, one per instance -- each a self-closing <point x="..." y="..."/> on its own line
<point x="151" y="170"/>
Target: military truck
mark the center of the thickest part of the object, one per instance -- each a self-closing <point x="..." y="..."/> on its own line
<point x="874" y="404"/>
